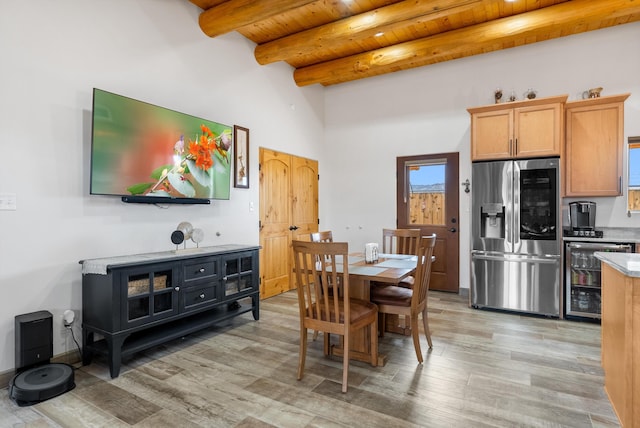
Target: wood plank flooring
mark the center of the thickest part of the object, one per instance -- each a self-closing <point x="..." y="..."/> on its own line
<point x="486" y="369"/>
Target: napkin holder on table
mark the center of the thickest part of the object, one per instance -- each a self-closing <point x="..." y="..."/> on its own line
<point x="371" y="252"/>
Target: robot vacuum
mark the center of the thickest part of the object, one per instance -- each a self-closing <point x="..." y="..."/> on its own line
<point x="41" y="383"/>
<point x="37" y="379"/>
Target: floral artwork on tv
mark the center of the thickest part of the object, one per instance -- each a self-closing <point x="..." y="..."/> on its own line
<point x="141" y="149"/>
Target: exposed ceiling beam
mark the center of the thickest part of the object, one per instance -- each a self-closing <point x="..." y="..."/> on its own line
<point x="329" y="40"/>
<point x="566" y="18"/>
<point x="233" y="14"/>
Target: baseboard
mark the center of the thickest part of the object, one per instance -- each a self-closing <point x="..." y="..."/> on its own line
<point x="464" y="292"/>
<point x="70" y="357"/>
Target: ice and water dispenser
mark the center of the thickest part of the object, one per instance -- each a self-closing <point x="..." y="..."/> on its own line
<point x="492" y="221"/>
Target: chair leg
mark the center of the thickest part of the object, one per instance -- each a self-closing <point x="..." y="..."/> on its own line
<point x="382" y="323"/>
<point x="327" y="343"/>
<point x="315" y="335"/>
<point x="345" y="362"/>
<point x="415" y="333"/>
<point x="303" y="352"/>
<point x="427" y="332"/>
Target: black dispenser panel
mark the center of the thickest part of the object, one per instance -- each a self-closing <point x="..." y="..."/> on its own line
<point x="34" y="338"/>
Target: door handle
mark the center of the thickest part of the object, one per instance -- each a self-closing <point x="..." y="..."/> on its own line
<point x="453" y="229"/>
<point x="293" y="227"/>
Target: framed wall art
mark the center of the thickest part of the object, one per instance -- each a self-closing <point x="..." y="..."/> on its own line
<point x="241" y="157"/>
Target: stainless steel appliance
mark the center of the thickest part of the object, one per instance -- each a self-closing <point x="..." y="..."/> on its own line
<point x="516" y="239"/>
<point x="582" y="220"/>
<point x="583" y="276"/>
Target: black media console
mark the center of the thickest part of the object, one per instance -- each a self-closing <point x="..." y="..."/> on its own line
<point x="135" y="302"/>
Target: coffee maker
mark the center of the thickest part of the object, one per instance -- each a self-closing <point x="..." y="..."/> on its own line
<point x="582" y="219"/>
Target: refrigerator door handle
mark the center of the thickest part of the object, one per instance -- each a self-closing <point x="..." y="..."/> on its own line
<point x="550" y="258"/>
<point x="515" y="197"/>
<point x="509" y="207"/>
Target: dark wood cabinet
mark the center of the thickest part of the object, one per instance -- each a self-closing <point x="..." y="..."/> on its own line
<point x="131" y="303"/>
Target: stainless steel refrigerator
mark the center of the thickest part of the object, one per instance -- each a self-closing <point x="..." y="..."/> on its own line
<point x="516" y="231"/>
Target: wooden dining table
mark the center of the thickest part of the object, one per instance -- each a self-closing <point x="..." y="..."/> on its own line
<point x="389" y="268"/>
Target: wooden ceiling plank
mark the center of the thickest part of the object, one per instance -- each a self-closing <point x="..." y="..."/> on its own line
<point x="574" y="15"/>
<point x="233" y="14"/>
<point x="357" y="28"/>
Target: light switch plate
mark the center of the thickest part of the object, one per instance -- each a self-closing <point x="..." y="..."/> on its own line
<point x="8" y="202"/>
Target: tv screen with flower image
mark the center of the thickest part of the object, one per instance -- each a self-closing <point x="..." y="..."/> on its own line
<point x="146" y="153"/>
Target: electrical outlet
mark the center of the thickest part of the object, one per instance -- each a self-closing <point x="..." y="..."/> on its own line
<point x="68" y="317"/>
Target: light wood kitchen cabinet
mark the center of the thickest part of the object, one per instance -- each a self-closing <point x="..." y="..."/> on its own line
<point x="620" y="350"/>
<point x="520" y="129"/>
<point x="594" y="146"/>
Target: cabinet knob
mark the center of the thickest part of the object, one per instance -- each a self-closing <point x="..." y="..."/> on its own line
<point x="201" y="270"/>
<point x="177" y="288"/>
<point x="202" y="296"/>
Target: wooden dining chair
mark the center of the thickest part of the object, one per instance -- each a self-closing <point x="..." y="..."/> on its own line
<point x="410" y="301"/>
<point x="323" y="308"/>
<point x="323" y="236"/>
<point x="401" y="241"/>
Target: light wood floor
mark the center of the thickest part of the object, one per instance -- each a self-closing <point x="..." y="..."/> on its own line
<point x="486" y="369"/>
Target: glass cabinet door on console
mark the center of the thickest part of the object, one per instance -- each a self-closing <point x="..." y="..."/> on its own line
<point x="150" y="295"/>
<point x="238" y="274"/>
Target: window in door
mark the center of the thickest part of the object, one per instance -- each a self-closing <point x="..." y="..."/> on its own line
<point x="426" y="199"/>
<point x="633" y="196"/>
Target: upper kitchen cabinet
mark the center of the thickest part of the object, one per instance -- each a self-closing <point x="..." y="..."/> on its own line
<point x="519" y="129"/>
<point x="594" y="146"/>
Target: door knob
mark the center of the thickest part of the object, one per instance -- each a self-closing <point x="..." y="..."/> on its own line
<point x="293" y="228"/>
<point x="453" y="229"/>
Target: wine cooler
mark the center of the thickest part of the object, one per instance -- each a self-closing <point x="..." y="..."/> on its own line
<point x="583" y="277"/>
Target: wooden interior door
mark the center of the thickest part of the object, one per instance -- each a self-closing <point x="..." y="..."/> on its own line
<point x="304" y="197"/>
<point x="288" y="210"/>
<point x="433" y="207"/>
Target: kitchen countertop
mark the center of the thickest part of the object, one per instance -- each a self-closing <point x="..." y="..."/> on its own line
<point x="610" y="234"/>
<point x="626" y="263"/>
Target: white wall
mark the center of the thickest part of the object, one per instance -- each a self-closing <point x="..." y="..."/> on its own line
<point x="53" y="53"/>
<point x="423" y="111"/>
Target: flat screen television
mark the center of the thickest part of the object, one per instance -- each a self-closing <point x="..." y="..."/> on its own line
<point x="150" y="154"/>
